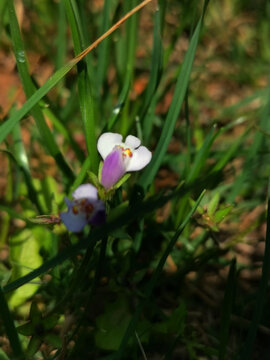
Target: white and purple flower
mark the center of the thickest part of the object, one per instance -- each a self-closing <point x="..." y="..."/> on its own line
<point x="120" y="157"/>
<point x="85" y="209"/>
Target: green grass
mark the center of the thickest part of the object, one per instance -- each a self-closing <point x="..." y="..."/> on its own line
<point x="180" y="268"/>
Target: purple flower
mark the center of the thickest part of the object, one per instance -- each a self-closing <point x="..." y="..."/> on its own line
<point x="85" y="209"/>
<point x="120" y="157"/>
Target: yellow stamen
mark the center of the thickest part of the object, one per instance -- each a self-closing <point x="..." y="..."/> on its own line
<point x="125" y="151"/>
<point x="75" y="210"/>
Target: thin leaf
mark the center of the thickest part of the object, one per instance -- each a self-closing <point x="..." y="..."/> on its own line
<point x="262" y="292"/>
<point x="22" y="162"/>
<point x="156" y="66"/>
<point x="128" y="52"/>
<point x="84" y="84"/>
<point x="11" y="331"/>
<point x="102" y="61"/>
<point x="178" y="97"/>
<point x="29" y="90"/>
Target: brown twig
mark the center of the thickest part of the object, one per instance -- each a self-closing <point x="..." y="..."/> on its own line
<point x="107" y="33"/>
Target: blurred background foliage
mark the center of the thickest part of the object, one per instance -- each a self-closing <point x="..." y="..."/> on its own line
<point x="113" y="298"/>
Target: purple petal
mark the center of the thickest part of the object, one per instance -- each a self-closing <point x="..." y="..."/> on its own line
<point x="85" y="191"/>
<point x="113" y="169"/>
<point x="74" y="222"/>
<point x="98" y="218"/>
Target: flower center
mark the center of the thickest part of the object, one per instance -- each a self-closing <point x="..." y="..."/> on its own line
<point x="83" y="206"/>
<point x="126" y="152"/>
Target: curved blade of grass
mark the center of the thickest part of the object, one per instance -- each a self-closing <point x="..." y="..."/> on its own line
<point x="29" y="90"/>
<point x="118" y="108"/>
<point x="193" y="173"/>
<point x="58" y="75"/>
<point x="262" y="292"/>
<point x="22" y="162"/>
<point x="137" y="211"/>
<point x="10" y="327"/>
<point x="179" y="94"/>
<point x="203" y="154"/>
<point x="228" y="154"/>
<point x="152" y="283"/>
<point x="62" y="129"/>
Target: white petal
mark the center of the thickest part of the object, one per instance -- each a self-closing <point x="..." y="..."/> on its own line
<point x="85" y="191"/>
<point x="141" y="157"/>
<point x="107" y="142"/>
<point x="132" y="141"/>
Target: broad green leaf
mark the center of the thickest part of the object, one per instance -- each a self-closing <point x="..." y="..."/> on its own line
<point x="24" y="256"/>
<point x="33" y="346"/>
<point x="3" y="355"/>
<point x="213" y="204"/>
<point x="222" y="213"/>
<point x="111" y="325"/>
<point x="26" y="329"/>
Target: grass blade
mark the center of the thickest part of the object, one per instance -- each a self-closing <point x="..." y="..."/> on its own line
<point x="178" y="97"/>
<point x="84" y="87"/>
<point x="202" y="155"/>
<point x="29" y="90"/>
<point x="8" y="125"/>
<point x="262" y="292"/>
<point x="22" y="162"/>
<point x="117" y="111"/>
<point x="61" y="37"/>
<point x="62" y="129"/>
<point x="253" y="156"/>
<point x="137" y="211"/>
<point x="129" y="44"/>
<point x="10" y="327"/>
<point x="156" y="67"/>
<point x="102" y="61"/>
<point x="6" y="128"/>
